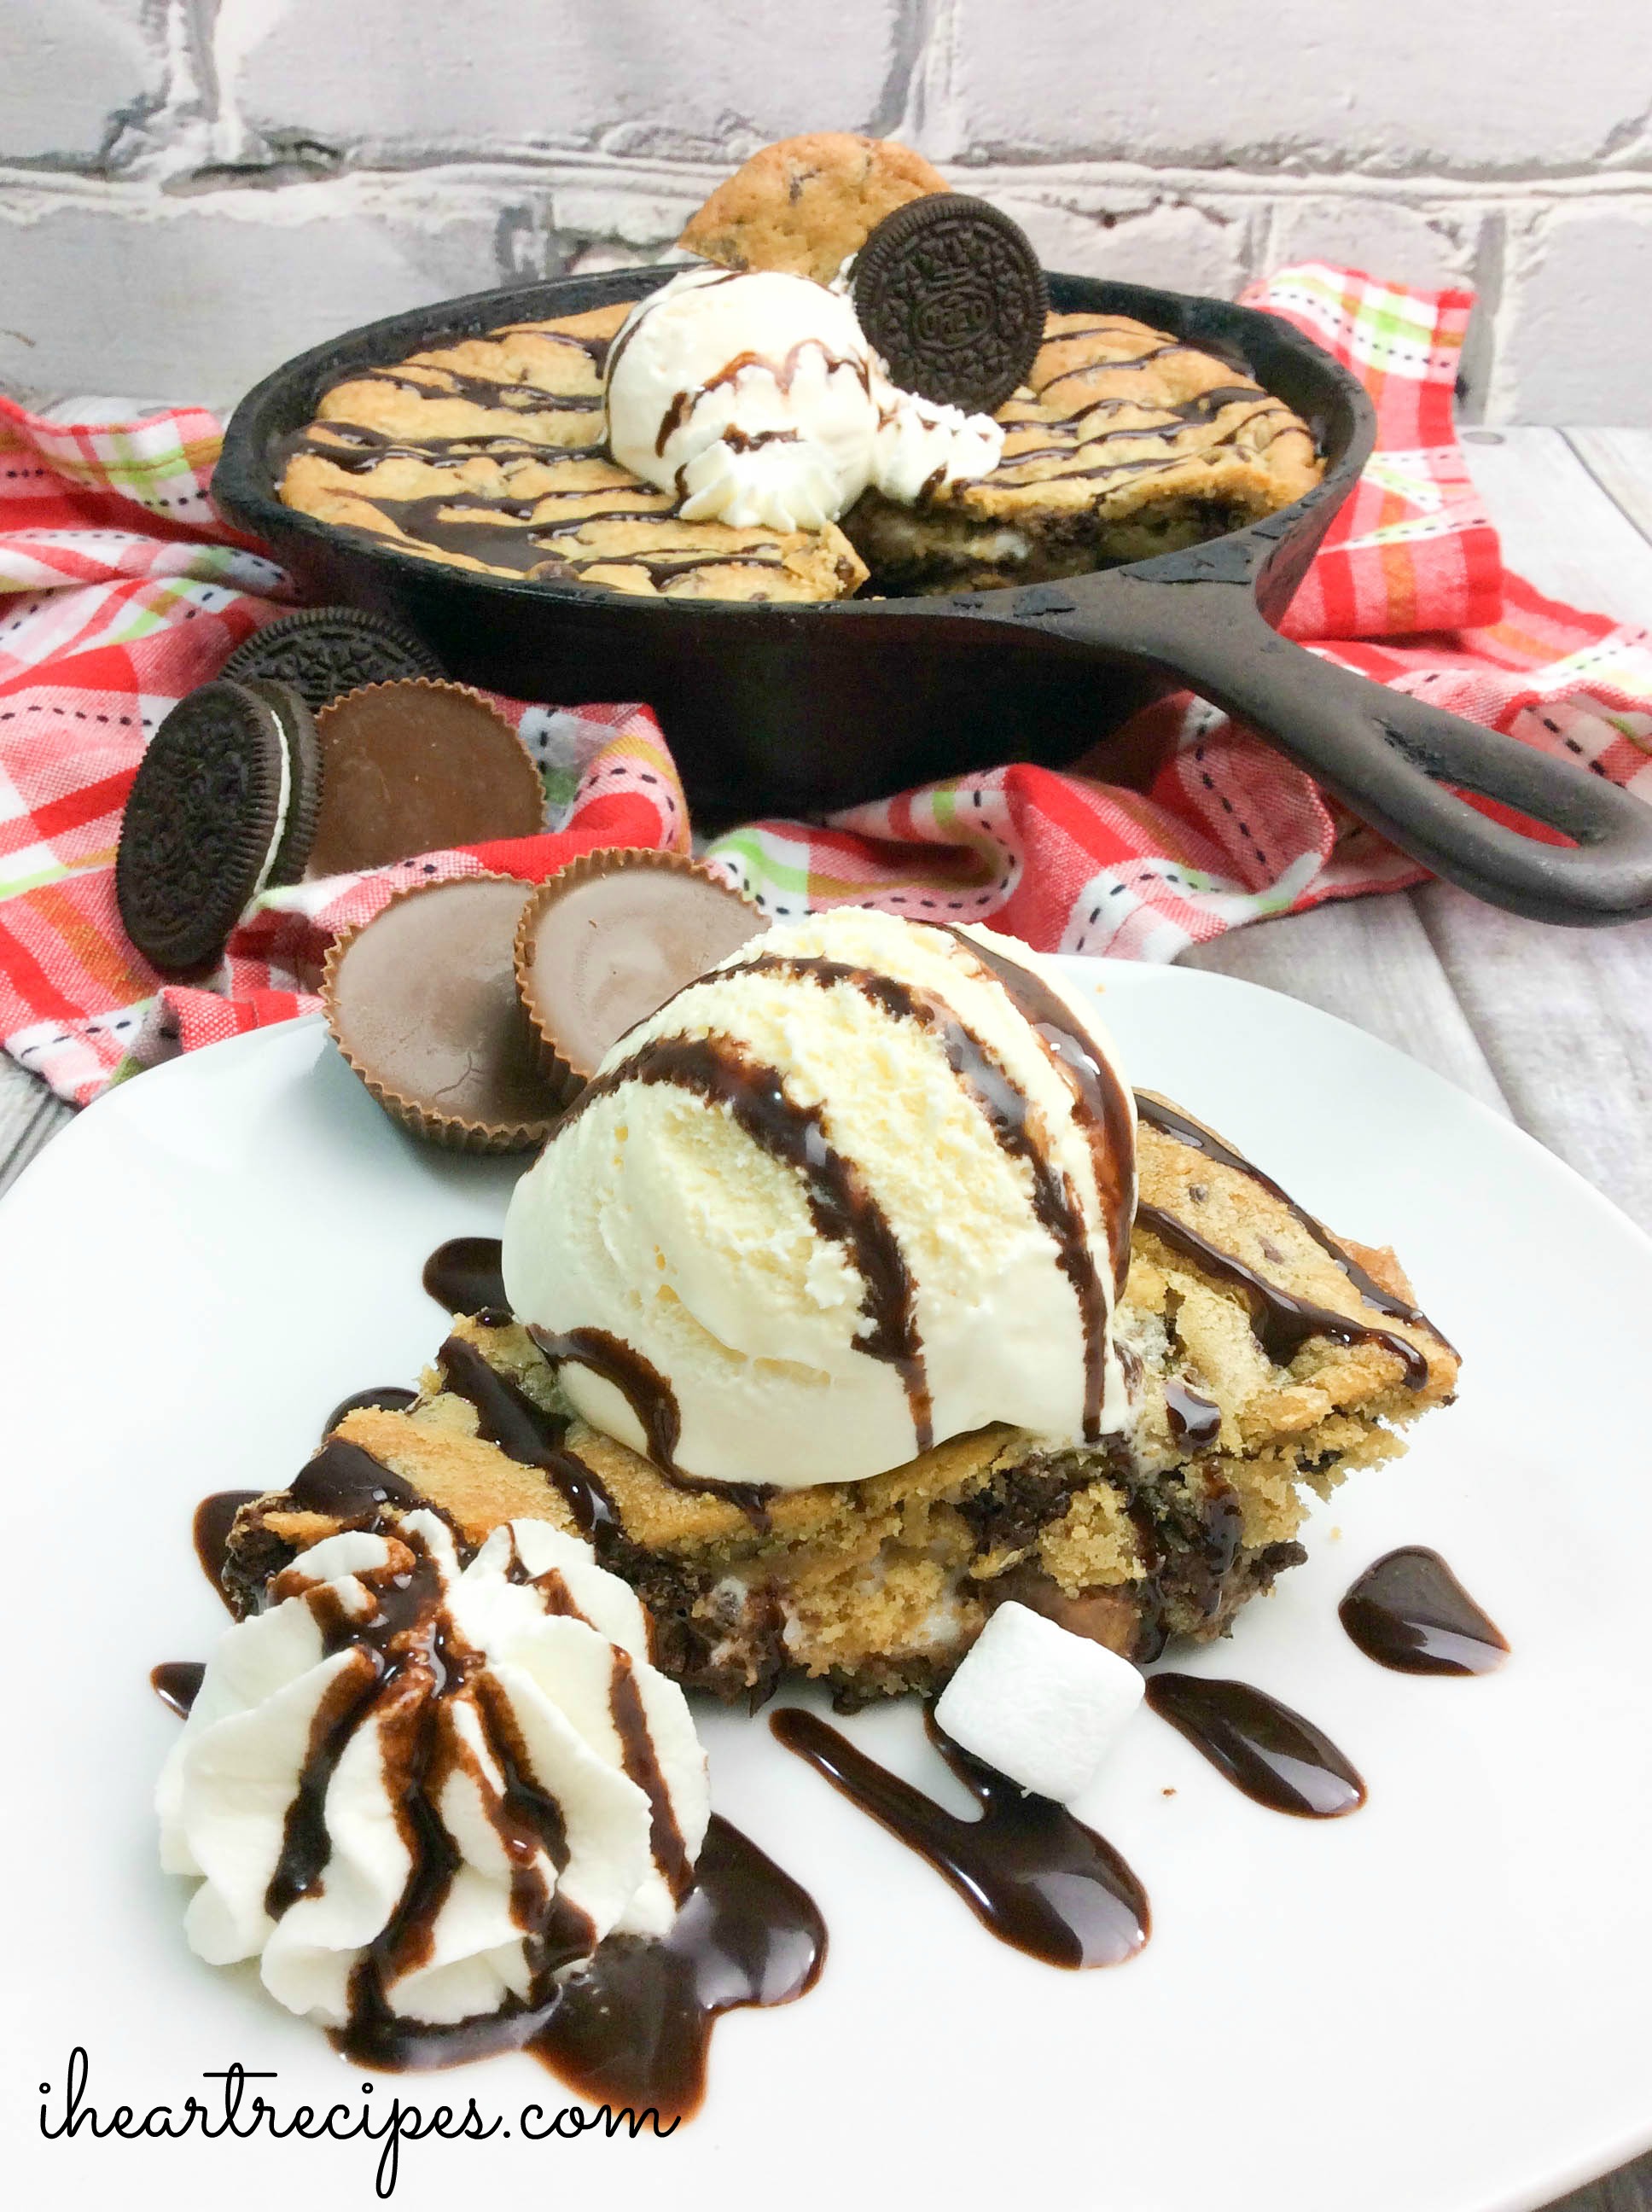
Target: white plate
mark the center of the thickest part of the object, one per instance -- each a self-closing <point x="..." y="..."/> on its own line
<point x="1440" y="2004"/>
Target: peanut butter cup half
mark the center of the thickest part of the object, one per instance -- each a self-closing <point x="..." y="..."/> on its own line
<point x="608" y="940"/>
<point x="422" y="1002"/>
<point x="417" y="766"/>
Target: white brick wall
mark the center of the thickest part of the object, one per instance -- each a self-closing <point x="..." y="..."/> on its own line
<point x="189" y="189"/>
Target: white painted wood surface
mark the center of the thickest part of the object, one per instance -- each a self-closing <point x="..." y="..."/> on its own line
<point x="1550" y="1027"/>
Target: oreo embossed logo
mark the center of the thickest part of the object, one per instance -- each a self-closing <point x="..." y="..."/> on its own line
<point x="950" y="292"/>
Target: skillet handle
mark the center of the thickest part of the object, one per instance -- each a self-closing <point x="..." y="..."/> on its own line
<point x="1390" y="756"/>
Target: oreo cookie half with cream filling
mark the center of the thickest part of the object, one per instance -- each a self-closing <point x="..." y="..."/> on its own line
<point x="223" y="807"/>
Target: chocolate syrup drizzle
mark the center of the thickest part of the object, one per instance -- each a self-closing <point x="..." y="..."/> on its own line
<point x="346" y="1482"/>
<point x="1408" y="1611"/>
<point x="507" y="1416"/>
<point x="1100" y="1104"/>
<point x="783" y="372"/>
<point x="1160" y="1115"/>
<point x="842" y="1208"/>
<point x="1009" y="1114"/>
<point x="1085" y="434"/>
<point x="1032" y="1875"/>
<point x="1280" y="1321"/>
<point x="631" y="2026"/>
<point x="653" y="1402"/>
<point x="1264" y="1749"/>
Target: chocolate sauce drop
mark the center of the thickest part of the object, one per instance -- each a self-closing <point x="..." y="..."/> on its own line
<point x="1264" y="1749"/>
<point x="463" y="1276"/>
<point x="1408" y="1611"/>
<point x="384" y="1397"/>
<point x="1195" y="1420"/>
<point x="633" y="2025"/>
<point x="213" y="1517"/>
<point x="1033" y="1875"/>
<point x="177" y="1683"/>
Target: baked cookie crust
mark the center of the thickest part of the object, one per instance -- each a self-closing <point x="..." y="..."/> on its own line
<point x="804" y="205"/>
<point x="488" y="455"/>
<point x="1126" y="442"/>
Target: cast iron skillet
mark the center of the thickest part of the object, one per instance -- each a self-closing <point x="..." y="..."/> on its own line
<point x="803" y="709"/>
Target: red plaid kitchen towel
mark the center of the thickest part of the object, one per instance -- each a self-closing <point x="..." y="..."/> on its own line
<point x="125" y="592"/>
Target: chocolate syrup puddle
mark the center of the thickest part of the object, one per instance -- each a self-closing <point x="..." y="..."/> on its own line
<point x="177" y="1683"/>
<point x="1012" y="1118"/>
<point x="1034" y="1876"/>
<point x="632" y="2027"/>
<point x="383" y="1397"/>
<point x="1169" y="1121"/>
<point x="1100" y="1104"/>
<point x="1408" y="1611"/>
<point x="1264" y="1749"/>
<point x="653" y="1402"/>
<point x="507" y="1416"/>
<point x="1281" y="1322"/>
<point x="463" y="1276"/>
<point x="1195" y="1420"/>
<point x="213" y="1519"/>
<point x="843" y="1209"/>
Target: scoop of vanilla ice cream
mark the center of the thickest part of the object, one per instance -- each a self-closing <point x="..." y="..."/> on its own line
<point x="382" y="1672"/>
<point x="836" y="1200"/>
<point x="756" y="399"/>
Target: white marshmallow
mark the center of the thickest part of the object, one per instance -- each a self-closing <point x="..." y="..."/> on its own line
<point x="1040" y="1705"/>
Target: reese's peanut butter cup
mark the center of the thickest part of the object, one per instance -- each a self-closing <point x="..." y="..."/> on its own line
<point x="422" y="1001"/>
<point x="949" y="290"/>
<point x="325" y="652"/>
<point x="222" y="807"/>
<point x="608" y="940"/>
<point x="417" y="766"/>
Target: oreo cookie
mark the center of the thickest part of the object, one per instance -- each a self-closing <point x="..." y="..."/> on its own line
<point x="949" y="291"/>
<point x="325" y="651"/>
<point x="222" y="807"/>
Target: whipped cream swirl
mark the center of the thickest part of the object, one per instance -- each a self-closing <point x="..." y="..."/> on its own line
<point x="758" y="400"/>
<point x="415" y="1792"/>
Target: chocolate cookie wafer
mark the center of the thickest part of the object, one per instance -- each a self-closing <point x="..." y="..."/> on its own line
<point x="325" y="652"/>
<point x="949" y="290"/>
